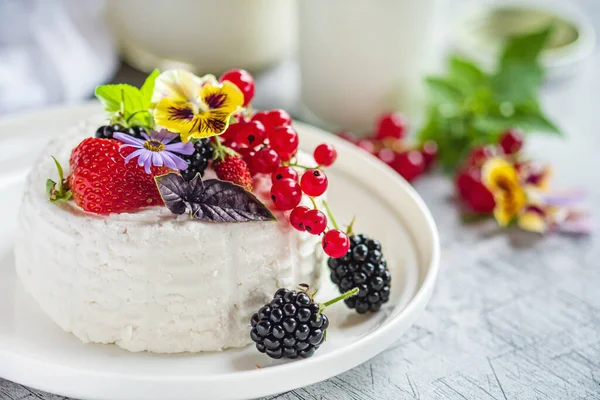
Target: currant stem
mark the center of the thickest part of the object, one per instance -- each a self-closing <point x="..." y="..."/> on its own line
<point x="330" y="215"/>
<point x="300" y="166"/>
<point x="349" y="293"/>
<point x="314" y="203"/>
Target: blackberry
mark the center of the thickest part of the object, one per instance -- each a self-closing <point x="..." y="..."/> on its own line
<point x="106" y="131"/>
<point x="292" y="325"/>
<point x="198" y="160"/>
<point x="363" y="267"/>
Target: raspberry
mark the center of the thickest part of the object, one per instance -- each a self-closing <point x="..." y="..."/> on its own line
<point x="233" y="169"/>
<point x="335" y="243"/>
<point x="363" y="267"/>
<point x="243" y="80"/>
<point x="325" y="154"/>
<point x="314" y="182"/>
<point x="392" y="125"/>
<point x="102" y="183"/>
<point x="286" y="194"/>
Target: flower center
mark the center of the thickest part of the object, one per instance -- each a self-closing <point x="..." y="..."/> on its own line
<point x="154" y="145"/>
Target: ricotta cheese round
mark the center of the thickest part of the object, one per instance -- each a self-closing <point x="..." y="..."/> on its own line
<point x="151" y="280"/>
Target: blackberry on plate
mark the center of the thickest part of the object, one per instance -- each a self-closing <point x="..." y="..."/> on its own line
<point x="106" y="131"/>
<point x="363" y="267"/>
<point x="292" y="325"/>
<point x="198" y="160"/>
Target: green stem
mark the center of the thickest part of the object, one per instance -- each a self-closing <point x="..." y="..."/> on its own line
<point x="341" y="297"/>
<point x="314" y="203"/>
<point x="300" y="166"/>
<point x="330" y="215"/>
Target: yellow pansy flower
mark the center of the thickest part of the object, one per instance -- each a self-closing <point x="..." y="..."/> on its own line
<point x="194" y="107"/>
<point x="502" y="179"/>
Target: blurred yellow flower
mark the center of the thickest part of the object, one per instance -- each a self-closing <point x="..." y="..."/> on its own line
<point x="502" y="179"/>
<point x="194" y="107"/>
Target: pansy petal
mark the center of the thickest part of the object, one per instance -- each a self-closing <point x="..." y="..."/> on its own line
<point x="170" y="162"/>
<point x="176" y="116"/>
<point x="177" y="84"/>
<point x="226" y="97"/>
<point x="181" y="148"/>
<point x="135" y="154"/>
<point x="562" y="199"/>
<point x="125" y="138"/>
<point x="533" y="222"/>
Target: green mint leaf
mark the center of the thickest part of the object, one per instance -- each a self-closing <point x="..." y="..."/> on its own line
<point x="466" y="75"/>
<point x="120" y="97"/>
<point x="443" y="91"/>
<point x="148" y="88"/>
<point x="517" y="82"/>
<point x="50" y="185"/>
<point x="524" y="49"/>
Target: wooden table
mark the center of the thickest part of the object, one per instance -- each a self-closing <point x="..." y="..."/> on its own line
<point x="514" y="315"/>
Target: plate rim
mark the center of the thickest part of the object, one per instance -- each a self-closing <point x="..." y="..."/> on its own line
<point x="362" y="350"/>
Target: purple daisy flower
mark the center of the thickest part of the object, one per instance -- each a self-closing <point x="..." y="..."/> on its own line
<point x="157" y="149"/>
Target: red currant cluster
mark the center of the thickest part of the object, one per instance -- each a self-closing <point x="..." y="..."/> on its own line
<point x="471" y="190"/>
<point x="389" y="146"/>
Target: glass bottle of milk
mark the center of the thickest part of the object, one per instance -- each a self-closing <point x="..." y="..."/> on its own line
<point x="361" y="58"/>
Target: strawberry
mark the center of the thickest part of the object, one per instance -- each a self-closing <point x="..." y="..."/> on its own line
<point x="102" y="183"/>
<point x="233" y="169"/>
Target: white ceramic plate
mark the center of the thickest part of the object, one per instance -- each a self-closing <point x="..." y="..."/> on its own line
<point x="35" y="352"/>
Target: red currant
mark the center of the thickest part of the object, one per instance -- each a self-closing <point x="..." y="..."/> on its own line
<point x="387" y="156"/>
<point x="273" y="119"/>
<point x="511" y="141"/>
<point x="314" y="182"/>
<point x="248" y="155"/>
<point x="297" y="217"/>
<point x="250" y="134"/>
<point x="392" y="125"/>
<point x="336" y="243"/>
<point x="243" y="80"/>
<point x="409" y="164"/>
<point x="284" y="140"/>
<point x="315" y="222"/>
<point x="286" y="194"/>
<point x="429" y="151"/>
<point x="465" y="181"/>
<point x="480" y="154"/>
<point x="325" y="154"/>
<point x="284" y="172"/>
<point x="480" y="199"/>
<point x="231" y="132"/>
<point x="367" y="145"/>
<point x="266" y="161"/>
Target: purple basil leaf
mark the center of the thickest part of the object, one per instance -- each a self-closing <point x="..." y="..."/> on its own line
<point x="224" y="201"/>
<point x="172" y="188"/>
<point x="195" y="188"/>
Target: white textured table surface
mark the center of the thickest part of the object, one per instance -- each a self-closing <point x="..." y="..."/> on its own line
<point x="514" y="316"/>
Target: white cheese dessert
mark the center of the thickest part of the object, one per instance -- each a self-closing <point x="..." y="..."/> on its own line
<point x="152" y="280"/>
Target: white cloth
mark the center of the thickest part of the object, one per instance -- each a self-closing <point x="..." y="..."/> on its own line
<point x="52" y="51"/>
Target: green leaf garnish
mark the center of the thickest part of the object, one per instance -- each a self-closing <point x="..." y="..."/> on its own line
<point x="470" y="106"/>
<point x="58" y="192"/>
<point x="127" y="104"/>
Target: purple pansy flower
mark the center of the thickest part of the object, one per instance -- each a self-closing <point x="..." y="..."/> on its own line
<point x="157" y="149"/>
